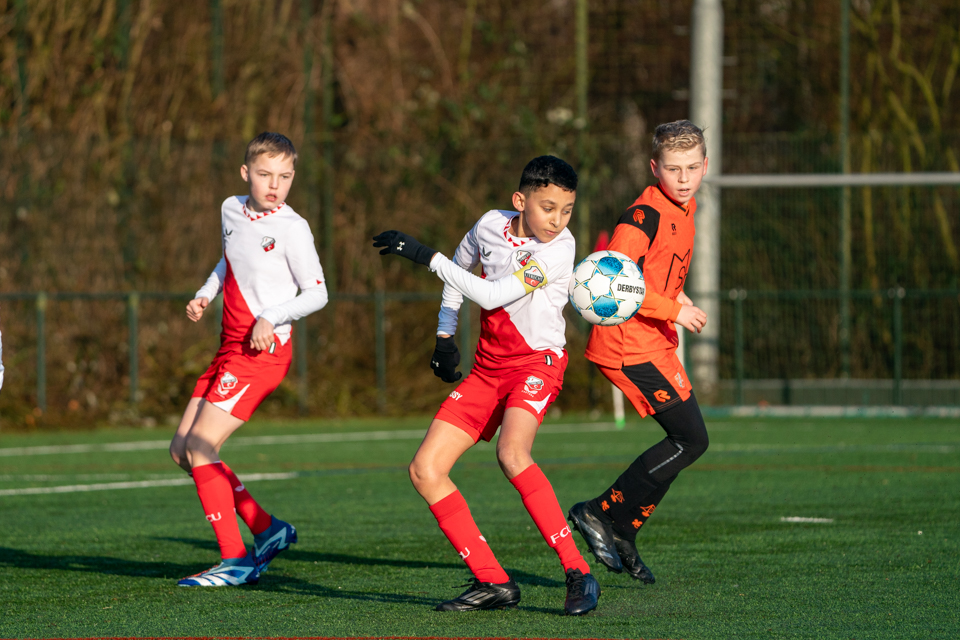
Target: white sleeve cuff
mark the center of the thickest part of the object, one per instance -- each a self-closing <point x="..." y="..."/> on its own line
<point x="448" y="319"/>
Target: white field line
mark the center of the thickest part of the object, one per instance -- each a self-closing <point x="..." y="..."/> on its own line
<point x="810" y="520"/>
<point x="141" y="484"/>
<point x="311" y="438"/>
<point x="734" y="447"/>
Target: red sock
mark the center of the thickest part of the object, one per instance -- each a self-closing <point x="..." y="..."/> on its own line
<point x="541" y="502"/>
<point x="247" y="508"/>
<point x="216" y="496"/>
<point x="453" y="516"/>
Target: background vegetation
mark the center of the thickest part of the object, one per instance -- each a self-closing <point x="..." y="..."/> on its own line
<point x="122" y="124"/>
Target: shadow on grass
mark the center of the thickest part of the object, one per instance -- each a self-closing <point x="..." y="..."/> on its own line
<point x="272" y="582"/>
<point x="94" y="564"/>
<point x="275" y="583"/>
<point x="296" y="555"/>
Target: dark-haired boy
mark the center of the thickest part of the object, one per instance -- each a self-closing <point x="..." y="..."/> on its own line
<point x="268" y="254"/>
<point x="639" y="356"/>
<point x="527" y="260"/>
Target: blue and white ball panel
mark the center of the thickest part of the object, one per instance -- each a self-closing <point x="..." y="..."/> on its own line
<point x="607" y="288"/>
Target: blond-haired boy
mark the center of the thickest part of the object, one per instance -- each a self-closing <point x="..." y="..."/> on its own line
<point x="639" y="356"/>
<point x="268" y="254"/>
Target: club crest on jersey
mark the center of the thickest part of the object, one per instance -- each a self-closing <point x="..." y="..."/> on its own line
<point x="533" y="277"/>
<point x="227" y="382"/>
<point x="268" y="243"/>
<point x="523" y="257"/>
<point x="532" y="385"/>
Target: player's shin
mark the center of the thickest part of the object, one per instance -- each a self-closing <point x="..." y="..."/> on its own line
<point x="632" y="487"/>
<point x="639" y="511"/>
<point x="456" y="522"/>
<point x="541" y="502"/>
<point x="216" y="496"/>
<point x="247" y="508"/>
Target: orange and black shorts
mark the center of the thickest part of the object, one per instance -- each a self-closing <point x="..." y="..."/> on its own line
<point x="652" y="386"/>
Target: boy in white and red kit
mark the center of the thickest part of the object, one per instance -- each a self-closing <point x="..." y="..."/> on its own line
<point x="268" y="254"/>
<point x="527" y="259"/>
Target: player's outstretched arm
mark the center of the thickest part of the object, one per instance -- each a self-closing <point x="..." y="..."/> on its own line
<point x="401" y="244"/>
<point x="445" y="359"/>
<point x="195" y="308"/>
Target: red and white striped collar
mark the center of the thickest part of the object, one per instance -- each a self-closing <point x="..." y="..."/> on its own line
<point x="517" y="242"/>
<point x="256" y="215"/>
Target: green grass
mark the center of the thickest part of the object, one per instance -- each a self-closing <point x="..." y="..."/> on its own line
<point x="372" y="562"/>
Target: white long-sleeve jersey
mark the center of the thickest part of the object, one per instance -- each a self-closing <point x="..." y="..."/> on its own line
<point x="522" y="289"/>
<point x="267" y="257"/>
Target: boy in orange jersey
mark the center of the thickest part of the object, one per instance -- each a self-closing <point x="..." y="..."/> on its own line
<point x="639" y="356"/>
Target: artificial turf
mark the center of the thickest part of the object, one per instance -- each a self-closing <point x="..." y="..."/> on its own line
<point x="371" y="561"/>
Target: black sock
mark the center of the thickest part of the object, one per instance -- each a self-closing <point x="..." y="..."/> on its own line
<point x="618" y="504"/>
<point x="640" y="511"/>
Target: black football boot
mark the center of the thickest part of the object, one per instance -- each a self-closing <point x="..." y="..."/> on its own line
<point x="583" y="592"/>
<point x="631" y="560"/>
<point x="598" y="535"/>
<point x="484" y="595"/>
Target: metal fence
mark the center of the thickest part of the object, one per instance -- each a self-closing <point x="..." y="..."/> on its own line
<point x="776" y="347"/>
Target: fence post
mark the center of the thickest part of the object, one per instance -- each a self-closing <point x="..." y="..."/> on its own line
<point x="42" y="351"/>
<point x="326" y="135"/>
<point x="302" y="383"/>
<point x="898" y="295"/>
<point x="133" y="331"/>
<point x="379" y="300"/>
<point x="846" y="255"/>
<point x="582" y="85"/>
<point x="738" y="297"/>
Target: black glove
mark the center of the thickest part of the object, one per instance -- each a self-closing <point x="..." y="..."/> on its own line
<point x="445" y="359"/>
<point x="403" y="245"/>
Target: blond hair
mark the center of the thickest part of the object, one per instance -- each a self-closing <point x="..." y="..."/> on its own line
<point x="272" y="144"/>
<point x="681" y="135"/>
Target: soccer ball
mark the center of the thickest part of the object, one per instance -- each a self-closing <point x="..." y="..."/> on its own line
<point x="607" y="288"/>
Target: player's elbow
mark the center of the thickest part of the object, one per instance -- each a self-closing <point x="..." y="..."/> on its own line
<point x="488" y="305"/>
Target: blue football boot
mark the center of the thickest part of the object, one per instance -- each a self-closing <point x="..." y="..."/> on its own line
<point x="231" y="572"/>
<point x="269" y="544"/>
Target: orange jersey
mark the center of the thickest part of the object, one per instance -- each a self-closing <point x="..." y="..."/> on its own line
<point x="657" y="234"/>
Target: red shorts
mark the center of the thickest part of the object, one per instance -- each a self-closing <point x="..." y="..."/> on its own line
<point x="239" y="378"/>
<point x="477" y="405"/>
<point x="652" y="386"/>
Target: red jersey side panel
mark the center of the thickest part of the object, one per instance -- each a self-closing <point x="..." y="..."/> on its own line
<point x="533" y="325"/>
